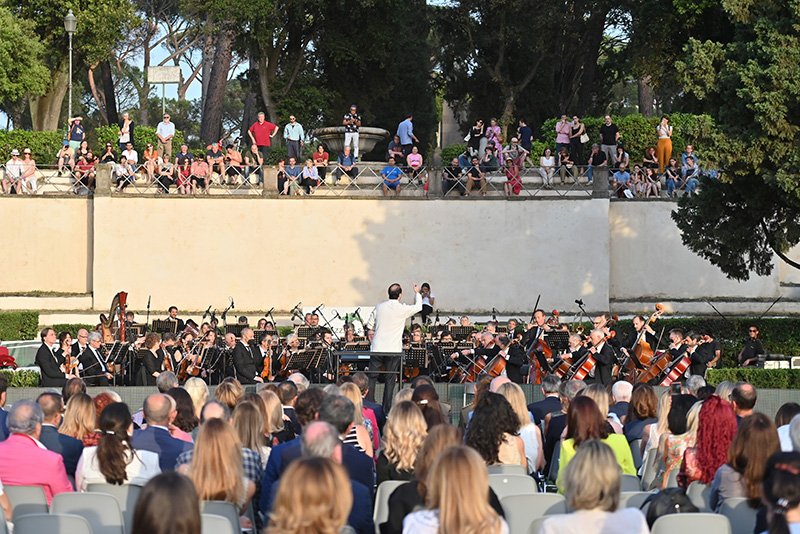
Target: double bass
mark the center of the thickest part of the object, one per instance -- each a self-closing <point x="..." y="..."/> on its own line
<point x="642" y="351"/>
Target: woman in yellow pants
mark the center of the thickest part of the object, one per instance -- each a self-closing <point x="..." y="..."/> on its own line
<point x="664" y="147"/>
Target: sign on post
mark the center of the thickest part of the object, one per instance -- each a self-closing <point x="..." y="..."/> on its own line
<point x="163" y="76"/>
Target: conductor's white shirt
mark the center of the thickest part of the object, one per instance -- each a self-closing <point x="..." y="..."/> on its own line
<point x="389" y="319"/>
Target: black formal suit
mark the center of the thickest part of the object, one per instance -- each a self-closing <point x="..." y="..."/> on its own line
<point x="543" y="407"/>
<point x="93" y="365"/>
<point x="244" y="364"/>
<point x="68" y="447"/>
<point x="630" y="341"/>
<point x="605" y="359"/>
<point x="516" y="359"/>
<point x="76" y="349"/>
<point x="676" y="353"/>
<point x="50" y="364"/>
<point x="700" y="358"/>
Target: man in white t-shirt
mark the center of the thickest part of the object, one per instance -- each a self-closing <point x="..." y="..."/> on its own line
<point x="13" y="172"/>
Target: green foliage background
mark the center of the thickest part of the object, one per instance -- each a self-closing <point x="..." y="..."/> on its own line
<point x="44" y="145"/>
<point x="19" y="325"/>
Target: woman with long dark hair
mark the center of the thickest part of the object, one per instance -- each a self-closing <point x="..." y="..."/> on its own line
<point x="781" y="493"/>
<point x="113" y="460"/>
<point x="168" y="505"/>
<point x="493" y="432"/>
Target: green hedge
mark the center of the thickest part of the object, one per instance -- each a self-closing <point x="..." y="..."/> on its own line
<point x="141" y="136"/>
<point x="73" y="328"/>
<point x="760" y="378"/>
<point x="19" y="325"/>
<point x="452" y="151"/>
<point x="27" y="378"/>
<point x="43" y="145"/>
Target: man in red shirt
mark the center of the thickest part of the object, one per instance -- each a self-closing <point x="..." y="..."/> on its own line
<point x="261" y="134"/>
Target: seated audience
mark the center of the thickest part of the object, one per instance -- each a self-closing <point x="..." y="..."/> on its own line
<point x="783" y="420"/>
<point x="249" y="427"/>
<point x="599" y="394"/>
<point x="621" y="181"/>
<point x="781" y="493"/>
<point x="168" y="505"/>
<point x="405" y="433"/>
<point x="642" y="411"/>
<point x="493" y="430"/>
<point x="160" y="412"/>
<point x="451" y="178"/>
<point x="547" y="166"/>
<point x="513" y="183"/>
<point x="530" y="434"/>
<point x="592" y="482"/>
<point x="682" y="421"/>
<point x="68" y="447"/>
<point x="80" y="420"/>
<point x="716" y="427"/>
<point x="673" y="178"/>
<point x="426" y="397"/>
<point x="567" y="165"/>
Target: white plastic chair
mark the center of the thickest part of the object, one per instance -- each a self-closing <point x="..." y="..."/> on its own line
<point x="698" y="493"/>
<point x="101" y="510"/>
<point x="52" y="524"/>
<point x="224" y="509"/>
<point x="380" y="513"/>
<point x="126" y="495"/>
<point x="691" y="524"/>
<point x="215" y="524"/>
<point x="522" y="510"/>
<point x="507" y="470"/>
<point x="740" y="514"/>
<point x="633" y="499"/>
<point x="26" y="500"/>
<point x="512" y="485"/>
<point x="630" y="483"/>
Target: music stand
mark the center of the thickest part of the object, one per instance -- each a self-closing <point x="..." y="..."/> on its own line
<point x="464" y="345"/>
<point x="501" y="329"/>
<point x="300" y="360"/>
<point x="305" y="332"/>
<point x="163" y="327"/>
<point x="461" y="332"/>
<point x="258" y="335"/>
<point x="235" y="329"/>
<point x="271" y="333"/>
<point x="416" y="357"/>
<point x="557" y="340"/>
<point x="134" y="331"/>
<point x="357" y="346"/>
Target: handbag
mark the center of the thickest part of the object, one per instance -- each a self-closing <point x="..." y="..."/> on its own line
<point x="466" y="138"/>
<point x="584" y="138"/>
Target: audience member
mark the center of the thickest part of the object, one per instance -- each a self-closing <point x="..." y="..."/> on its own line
<point x="362" y="381"/>
<point x="458" y="484"/>
<point x="756" y="440"/>
<point x="23" y="460"/>
<point x="621" y="395"/>
<point x="592" y="485"/>
<point x="168" y="505"/>
<point x="682" y="422"/>
<point x="493" y="432"/>
<point x="651" y="434"/>
<point x="68" y="447"/>
<point x="160" y="412"/>
<point x="555" y="423"/>
<point x="72" y="387"/>
<point x="198" y="391"/>
<point x="185" y="419"/>
<point x="599" y="394"/>
<point x="551" y="402"/>
<point x="715" y="431"/>
<point x="783" y="419"/>
<point x="229" y="391"/>
<point x="743" y="397"/>
<point x="360" y="434"/>
<point x="694" y="383"/>
<point x="249" y="426"/>
<point x="529" y="433"/>
<point x="113" y="460"/>
<point x="781" y="493"/>
<point x="426" y="397"/>
<point x="794" y="433"/>
<point x="642" y="411"/>
<point x="406" y="430"/>
<point x="3" y="413"/>
<point x="80" y="420"/>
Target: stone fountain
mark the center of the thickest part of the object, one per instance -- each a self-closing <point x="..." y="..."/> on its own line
<point x="332" y="137"/>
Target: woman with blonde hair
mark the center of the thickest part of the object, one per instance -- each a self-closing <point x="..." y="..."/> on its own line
<point x="216" y="466"/>
<point x="249" y="426"/>
<point x="229" y="391"/>
<point x="314" y="497"/>
<point x="80" y="420"/>
<point x="458" y="485"/>
<point x="360" y="435"/>
<point x="651" y="434"/>
<point x="599" y="394"/>
<point x="198" y="391"/>
<point x="278" y="431"/>
<point x="404" y="434"/>
<point x="530" y="434"/>
<point x="592" y="488"/>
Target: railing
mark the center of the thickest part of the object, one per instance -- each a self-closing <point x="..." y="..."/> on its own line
<point x="366" y="180"/>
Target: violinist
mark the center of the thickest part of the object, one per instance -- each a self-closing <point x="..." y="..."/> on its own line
<point x="696" y="349"/>
<point x="515" y="357"/>
<point x="95" y="370"/>
<point x="153" y="362"/>
<point x="64" y="353"/>
<point x="292" y="347"/>
<point x="676" y="345"/>
<point x="267" y="357"/>
<point x="603" y="354"/>
<point x="168" y="350"/>
<point x="607" y="324"/>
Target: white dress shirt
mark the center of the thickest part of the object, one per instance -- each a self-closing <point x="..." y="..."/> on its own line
<point x="389" y="319"/>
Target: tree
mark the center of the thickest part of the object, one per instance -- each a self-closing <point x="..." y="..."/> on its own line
<point x="752" y="87"/>
<point x="18" y="41"/>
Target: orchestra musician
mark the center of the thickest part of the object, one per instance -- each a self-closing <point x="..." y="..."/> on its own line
<point x="81" y="343"/>
<point x="515" y="357"/>
<point x="535" y="331"/>
<point x="676" y="345"/>
<point x="173" y="316"/>
<point x="267" y="354"/>
<point x="244" y="362"/>
<point x="605" y="323"/>
<point x="512" y="328"/>
<point x="93" y="360"/>
<point x="152" y="361"/>
<point x="486" y="350"/>
<point x="604" y="356"/>
<point x="168" y="351"/>
<point x="575" y="351"/>
<point x="698" y="351"/>
<point x="643" y="335"/>
<point x="50" y="365"/>
<point x="292" y="347"/>
<point x="64" y="351"/>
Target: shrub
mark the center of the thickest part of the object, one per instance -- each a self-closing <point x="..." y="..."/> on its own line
<point x="43" y="145"/>
<point x="19" y="325"/>
<point x="23" y="378"/>
<point x="452" y="151"/>
<point x="284" y="331"/>
<point x="141" y="136"/>
<point x="760" y="378"/>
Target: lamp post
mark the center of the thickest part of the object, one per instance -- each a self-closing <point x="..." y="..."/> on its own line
<point x="70" y="23"/>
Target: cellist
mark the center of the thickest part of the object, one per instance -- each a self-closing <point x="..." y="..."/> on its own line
<point x="607" y="323"/>
<point x="602" y="352"/>
<point x="676" y="345"/>
<point x="642" y="342"/>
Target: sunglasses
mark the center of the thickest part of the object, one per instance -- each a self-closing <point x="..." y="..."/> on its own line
<point x="751" y="330"/>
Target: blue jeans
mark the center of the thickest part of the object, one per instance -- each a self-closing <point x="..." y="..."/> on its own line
<point x="691" y="185"/>
<point x="671" y="185"/>
<point x="589" y="172"/>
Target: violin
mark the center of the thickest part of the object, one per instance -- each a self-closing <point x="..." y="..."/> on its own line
<point x="266" y="371"/>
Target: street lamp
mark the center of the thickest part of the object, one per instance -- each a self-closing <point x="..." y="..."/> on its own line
<point x="70" y="23"/>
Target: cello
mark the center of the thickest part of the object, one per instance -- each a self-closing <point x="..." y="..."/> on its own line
<point x="589" y="362"/>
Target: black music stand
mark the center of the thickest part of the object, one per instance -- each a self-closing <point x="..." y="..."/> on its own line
<point x="501" y="329"/>
<point x="164" y="327"/>
<point x="235" y="329"/>
<point x="301" y="360"/>
<point x="305" y="332"/>
<point x="360" y="339"/>
<point x="271" y="333"/>
<point x="134" y="331"/>
<point x="357" y="346"/>
<point x="461" y="332"/>
<point x="416" y="357"/>
<point x="464" y="345"/>
<point x="258" y="335"/>
<point x="117" y="355"/>
<point x="557" y="340"/>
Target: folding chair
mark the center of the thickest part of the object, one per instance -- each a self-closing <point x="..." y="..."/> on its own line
<point x="691" y="524"/>
<point x="512" y="485"/>
<point x="381" y="512"/>
<point x="740" y="514"/>
<point x="126" y="495"/>
<point x="52" y="524"/>
<point x="26" y="500"/>
<point x="522" y="510"/>
<point x="101" y="510"/>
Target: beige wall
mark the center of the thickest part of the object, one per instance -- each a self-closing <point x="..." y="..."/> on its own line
<point x="46" y="244"/>
<point x="196" y="252"/>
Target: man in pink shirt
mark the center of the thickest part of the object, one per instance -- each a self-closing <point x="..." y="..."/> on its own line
<point x="261" y="134"/>
<point x="24" y="461"/>
<point x="563" y="130"/>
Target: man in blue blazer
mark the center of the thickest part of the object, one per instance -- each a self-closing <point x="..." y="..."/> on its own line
<point x="52" y="404"/>
<point x="159" y="412"/>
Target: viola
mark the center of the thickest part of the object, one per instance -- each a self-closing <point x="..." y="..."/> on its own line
<point x="266" y="371"/>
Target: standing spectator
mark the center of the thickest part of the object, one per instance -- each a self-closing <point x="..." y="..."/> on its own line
<point x="664" y="149"/>
<point x="476" y="136"/>
<point x="76" y="133"/>
<point x="405" y="130"/>
<point x="345" y="164"/>
<point x="165" y="131"/>
<point x="320" y="158"/>
<point x="13" y="173"/>
<point x="596" y="159"/>
<point x="476" y="176"/>
<point x="563" y="131"/>
<point x="495" y="135"/>
<point x="575" y="143"/>
<point x="65" y="157"/>
<point x="391" y="175"/>
<point x="27" y="181"/>
<point x="547" y="162"/>
<point x="351" y="123"/>
<point x="609" y="136"/>
<point x="261" y="134"/>
<point x="294" y="135"/>
<point x="125" y="132"/>
<point x="254" y="162"/>
<point x="525" y="135"/>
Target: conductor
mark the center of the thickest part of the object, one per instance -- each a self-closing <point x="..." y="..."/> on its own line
<point x="388" y="320"/>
